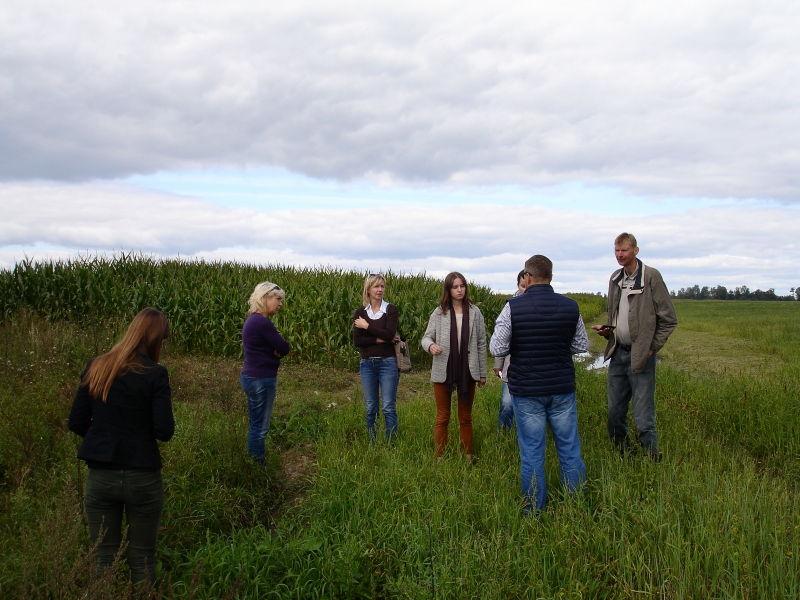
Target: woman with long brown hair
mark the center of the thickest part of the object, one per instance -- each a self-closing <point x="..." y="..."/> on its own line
<point x="122" y="407"/>
<point x="456" y="337"/>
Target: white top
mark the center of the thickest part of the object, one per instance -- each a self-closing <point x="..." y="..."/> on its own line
<point x="380" y="313"/>
<point x="623" y="332"/>
<point x="459" y="320"/>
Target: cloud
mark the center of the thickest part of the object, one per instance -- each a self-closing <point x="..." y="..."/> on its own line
<point x="728" y="245"/>
<point x="681" y="98"/>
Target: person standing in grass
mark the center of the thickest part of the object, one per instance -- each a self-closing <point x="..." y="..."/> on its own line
<point x="640" y="319"/>
<point x="456" y="337"/>
<point x="263" y="349"/>
<point x="542" y="330"/>
<point x="375" y="332"/>
<point x="505" y="419"/>
<point x="122" y="407"/>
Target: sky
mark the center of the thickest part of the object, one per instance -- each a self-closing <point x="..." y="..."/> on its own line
<point x="416" y="137"/>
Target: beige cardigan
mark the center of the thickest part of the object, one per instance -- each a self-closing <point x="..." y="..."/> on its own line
<point x="438" y="332"/>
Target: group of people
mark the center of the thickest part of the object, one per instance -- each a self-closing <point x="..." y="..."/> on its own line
<point x="123" y="405"/>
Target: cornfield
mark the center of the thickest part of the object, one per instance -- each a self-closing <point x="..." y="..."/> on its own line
<point x="206" y="302"/>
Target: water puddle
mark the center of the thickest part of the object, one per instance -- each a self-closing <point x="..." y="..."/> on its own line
<point x="591" y="361"/>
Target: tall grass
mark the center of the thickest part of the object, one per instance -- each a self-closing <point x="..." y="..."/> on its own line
<point x="719" y="518"/>
<point x="206" y="302"/>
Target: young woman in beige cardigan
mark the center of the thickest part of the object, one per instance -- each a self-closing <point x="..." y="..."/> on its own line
<point x="456" y="337"/>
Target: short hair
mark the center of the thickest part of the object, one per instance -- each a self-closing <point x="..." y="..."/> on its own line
<point x="520" y="276"/>
<point x="626" y="238"/>
<point x="260" y="293"/>
<point x="370" y="282"/>
<point x="539" y="267"/>
<point x="446" y="302"/>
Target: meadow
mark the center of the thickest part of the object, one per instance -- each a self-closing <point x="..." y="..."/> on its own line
<point x="332" y="516"/>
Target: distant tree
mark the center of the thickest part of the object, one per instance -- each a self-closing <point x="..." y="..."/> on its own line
<point x="719" y="293"/>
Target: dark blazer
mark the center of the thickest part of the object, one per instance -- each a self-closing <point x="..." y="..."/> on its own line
<point x="121" y="433"/>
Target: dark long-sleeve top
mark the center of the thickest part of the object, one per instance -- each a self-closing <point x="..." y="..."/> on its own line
<point x="121" y="433"/>
<point x="261" y="340"/>
<point x="384" y="327"/>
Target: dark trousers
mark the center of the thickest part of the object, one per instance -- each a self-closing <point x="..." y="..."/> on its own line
<point x="638" y="389"/>
<point x="140" y="495"/>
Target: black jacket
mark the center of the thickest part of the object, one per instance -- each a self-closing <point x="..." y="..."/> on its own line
<point x="121" y="433"/>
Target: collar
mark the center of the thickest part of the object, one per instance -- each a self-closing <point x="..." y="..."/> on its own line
<point x="380" y="313"/>
<point x="638" y="284"/>
<point x="538" y="288"/>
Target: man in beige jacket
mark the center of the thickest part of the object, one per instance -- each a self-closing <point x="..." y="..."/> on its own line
<point x="640" y="319"/>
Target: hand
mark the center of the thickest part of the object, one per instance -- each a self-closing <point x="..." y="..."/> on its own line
<point x="649" y="353"/>
<point x="435" y="349"/>
<point x="497" y="371"/>
<point x="275" y="352"/>
<point x="361" y="323"/>
<point x="482" y="382"/>
<point x="604" y="331"/>
<point x="396" y="338"/>
<point x="379" y="341"/>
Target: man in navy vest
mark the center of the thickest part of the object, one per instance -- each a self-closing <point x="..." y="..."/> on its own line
<point x="542" y="330"/>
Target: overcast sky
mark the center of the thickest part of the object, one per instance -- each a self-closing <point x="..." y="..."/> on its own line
<point x="417" y="136"/>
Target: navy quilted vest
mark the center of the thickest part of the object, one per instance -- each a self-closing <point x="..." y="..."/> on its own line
<point x="542" y="329"/>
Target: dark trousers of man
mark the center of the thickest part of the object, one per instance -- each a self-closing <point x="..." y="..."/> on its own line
<point x="626" y="387"/>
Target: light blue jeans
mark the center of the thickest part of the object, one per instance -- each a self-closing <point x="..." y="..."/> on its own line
<point x="505" y="420"/>
<point x="533" y="415"/>
<point x="260" y="398"/>
<point x="639" y="389"/>
<point x="379" y="378"/>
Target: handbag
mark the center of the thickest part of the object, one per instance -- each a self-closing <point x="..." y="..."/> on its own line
<point x="403" y="356"/>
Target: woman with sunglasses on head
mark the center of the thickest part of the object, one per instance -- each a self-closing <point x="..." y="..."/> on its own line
<point x="122" y="407"/>
<point x="375" y="332"/>
<point x="263" y="349"/>
<point x="456" y="337"/>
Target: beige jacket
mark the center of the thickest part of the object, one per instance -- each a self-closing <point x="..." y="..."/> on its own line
<point x="438" y="332"/>
<point x="651" y="315"/>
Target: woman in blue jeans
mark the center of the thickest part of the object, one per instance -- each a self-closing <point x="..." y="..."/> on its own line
<point x="263" y="349"/>
<point x="123" y="405"/>
<point x="375" y="332"/>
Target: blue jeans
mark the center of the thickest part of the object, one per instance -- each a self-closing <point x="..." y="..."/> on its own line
<point x="505" y="420"/>
<point x="260" y="397"/>
<point x="639" y="389"/>
<point x="380" y="374"/>
<point x="533" y="415"/>
<point x="140" y="494"/>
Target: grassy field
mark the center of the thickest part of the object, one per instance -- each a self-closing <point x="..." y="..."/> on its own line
<point x="332" y="516"/>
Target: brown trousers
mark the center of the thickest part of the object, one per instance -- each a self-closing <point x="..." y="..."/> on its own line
<point x="443" y="395"/>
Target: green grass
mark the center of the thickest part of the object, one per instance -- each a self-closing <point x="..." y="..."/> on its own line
<point x="332" y="516"/>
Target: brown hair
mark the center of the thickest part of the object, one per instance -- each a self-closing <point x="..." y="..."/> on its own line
<point x="626" y="237"/>
<point x="145" y="335"/>
<point x="539" y="267"/>
<point x="446" y="302"/>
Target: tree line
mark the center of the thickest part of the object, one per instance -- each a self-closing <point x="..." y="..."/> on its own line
<point x="720" y="292"/>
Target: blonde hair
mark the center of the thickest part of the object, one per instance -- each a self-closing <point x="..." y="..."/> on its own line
<point x="145" y="335"/>
<point x="626" y="238"/>
<point x="264" y="289"/>
<point x="370" y="282"/>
